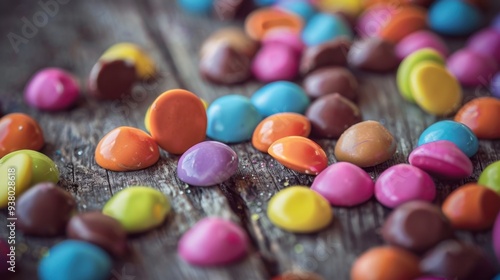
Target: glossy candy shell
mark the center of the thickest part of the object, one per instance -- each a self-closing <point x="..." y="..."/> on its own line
<point x="482" y="116"/>
<point x="455" y="132"/>
<point x="22" y="163"/>
<point x="280" y="97"/>
<point x="300" y="154"/>
<point x="19" y="131"/>
<point x="490" y="177"/>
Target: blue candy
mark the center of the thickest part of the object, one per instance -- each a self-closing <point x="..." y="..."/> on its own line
<point x="280" y="97"/>
<point x="455" y="132"/>
<point x="301" y="8"/>
<point x="75" y="260"/>
<point x="264" y="2"/>
<point x="196" y="6"/>
<point x="454" y="17"/>
<point x="324" y="27"/>
<point x="232" y="118"/>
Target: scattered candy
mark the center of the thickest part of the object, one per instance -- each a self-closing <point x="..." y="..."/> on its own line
<point x="261" y="21"/>
<point x="349" y="7"/>
<point x="452" y="131"/>
<point x="112" y="79"/>
<point x="43" y="169"/>
<point x="482" y="116"/>
<point x="280" y="97"/>
<point x="138" y="208"/>
<point x="373" y="54"/>
<point x="19" y="131"/>
<point x="443" y="17"/>
<point x="372" y="20"/>
<point x="471" y="68"/>
<point x="207" y="163"/>
<point x="331" y="80"/>
<point x="299" y="209"/>
<point x="234" y="37"/>
<point x="284" y="37"/>
<point x="224" y="65"/>
<point x="17" y="169"/>
<point x="419" y="40"/>
<point x="275" y="62"/>
<point x="213" y="241"/>
<point x="324" y="27"/>
<point x="486" y="42"/>
<point x="300" y="154"/>
<point x="490" y="177"/>
<point x="144" y="66"/>
<point x="298" y="275"/>
<point x="344" y="184"/>
<point x="331" y="53"/>
<point x="303" y="9"/>
<point x="406" y="20"/>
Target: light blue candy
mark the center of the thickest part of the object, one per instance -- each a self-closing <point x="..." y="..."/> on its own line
<point x="280" y="97"/>
<point x="454" y="17"/>
<point x="324" y="27"/>
<point x="452" y="131"/>
<point x="497" y="277"/>
<point x="301" y="8"/>
<point x="232" y="119"/>
<point x="196" y="6"/>
<point x="75" y="260"/>
<point x="264" y="2"/>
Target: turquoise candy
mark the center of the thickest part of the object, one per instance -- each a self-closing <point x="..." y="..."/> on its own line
<point x="232" y="119"/>
<point x="196" y="6"/>
<point x="452" y="131"/>
<point x="280" y="97"/>
<point x="75" y="260"/>
<point x="454" y="17"/>
<point x="303" y="9"/>
<point x="324" y="27"/>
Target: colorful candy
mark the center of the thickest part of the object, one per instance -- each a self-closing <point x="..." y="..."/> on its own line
<point x="284" y="37"/>
<point x="138" y="208"/>
<point x="299" y="209"/>
<point x="419" y="40"/>
<point x="452" y="131"/>
<point x="298" y="275"/>
<point x="329" y="80"/>
<point x="275" y="62"/>
<point x="331" y="53"/>
<point x="482" y="116"/>
<point x="349" y="7"/>
<point x="373" y="54"/>
<point x="443" y="17"/>
<point x="280" y="97"/>
<point x="199" y="7"/>
<point x="472" y="68"/>
<point x="224" y="65"/>
<point x="234" y="37"/>
<point x="112" y="79"/>
<point x="261" y="21"/>
<point x="495" y="85"/>
<point x="213" y="241"/>
<point x="144" y="66"/>
<point x="300" y="154"/>
<point x="490" y="177"/>
<point x="43" y="169"/>
<point x="15" y="170"/>
<point x="303" y="9"/>
<point x="486" y="42"/>
<point x="324" y="27"/>
<point x="344" y="184"/>
<point x="19" y="131"/>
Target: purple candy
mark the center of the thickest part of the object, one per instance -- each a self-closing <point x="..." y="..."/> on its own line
<point x="419" y="40"/>
<point x="496" y="237"/>
<point x="486" y="41"/>
<point x="495" y="85"/>
<point x="471" y="68"/>
<point x="275" y="62"/>
<point x="496" y="23"/>
<point x="207" y="163"/>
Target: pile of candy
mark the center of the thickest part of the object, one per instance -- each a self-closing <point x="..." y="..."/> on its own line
<point x="291" y="39"/>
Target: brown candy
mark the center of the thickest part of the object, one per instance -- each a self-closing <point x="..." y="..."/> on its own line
<point x="331" y="115"/>
<point x="373" y="54"/>
<point x="365" y="144"/>
<point x="331" y="80"/>
<point x="224" y="65"/>
<point x="331" y="53"/>
<point x="100" y="229"/>
<point x="416" y="226"/>
<point x="232" y="36"/>
<point x="44" y="210"/>
<point x="298" y="275"/>
<point x="112" y="79"/>
<point x="453" y="259"/>
<point x="228" y="9"/>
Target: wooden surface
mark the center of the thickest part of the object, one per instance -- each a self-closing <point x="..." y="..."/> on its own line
<point x="77" y="35"/>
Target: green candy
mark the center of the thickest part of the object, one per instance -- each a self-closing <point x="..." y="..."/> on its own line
<point x="490" y="177"/>
<point x="138" y="208"/>
<point x="15" y="178"/>
<point x="43" y="168"/>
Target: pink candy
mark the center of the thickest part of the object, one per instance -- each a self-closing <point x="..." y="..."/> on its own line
<point x="370" y="23"/>
<point x="486" y="41"/>
<point x="52" y="89"/>
<point x="442" y="158"/>
<point x="419" y="40"/>
<point x="344" y="184"/>
<point x="286" y="37"/>
<point x="471" y="68"/>
<point x="275" y="62"/>
<point x="213" y="241"/>
<point x="402" y="183"/>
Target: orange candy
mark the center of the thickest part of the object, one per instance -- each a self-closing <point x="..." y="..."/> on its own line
<point x="300" y="154"/>
<point x="278" y="126"/>
<point x="126" y="149"/>
<point x="406" y="20"/>
<point x="387" y="263"/>
<point x="260" y="21"/>
<point x="472" y="207"/>
<point x="482" y="116"/>
<point x="177" y="120"/>
<point x="19" y="131"/>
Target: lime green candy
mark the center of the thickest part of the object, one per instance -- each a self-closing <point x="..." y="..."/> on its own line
<point x="15" y="177"/>
<point x="43" y="168"/>
<point x="138" y="208"/>
<point x="408" y="64"/>
<point x="490" y="177"/>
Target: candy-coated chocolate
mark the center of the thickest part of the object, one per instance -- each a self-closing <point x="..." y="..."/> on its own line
<point x="407" y="66"/>
<point x="350" y="7"/>
<point x="472" y="207"/>
<point x="235" y="37"/>
<point x="112" y="79"/>
<point x="373" y="20"/>
<point x="454" y="18"/>
<point x="303" y="9"/>
<point x="298" y="275"/>
<point x="331" y="115"/>
<point x="232" y="118"/>
<point x="196" y="7"/>
<point x="275" y="62"/>
<point x="329" y="80"/>
<point x="344" y="184"/>
<point x="125" y="149"/>
<point x="52" y="89"/>
<point x="207" y="163"/>
<point x="472" y="68"/>
<point x="482" y="116"/>
<point x="387" y="263"/>
<point x="285" y="37"/>
<point x="144" y="66"/>
<point x="455" y="132"/>
<point x="324" y="27"/>
<point x="138" y="208"/>
<point x="435" y="89"/>
<point x="44" y="210"/>
<point x="331" y="53"/>
<point x="280" y="97"/>
<point x="299" y="209"/>
<point x="224" y="65"/>
<point x="43" y="169"/>
<point x="365" y="144"/>
<point x="490" y="177"/>
<point x="486" y="42"/>
<point x="18" y="170"/>
<point x="213" y="241"/>
<point x="19" y="131"/>
<point x="261" y="21"/>
<point x="495" y="235"/>
<point x="300" y="154"/>
<point x="416" y="226"/>
<point x="373" y="54"/>
<point x="406" y="20"/>
<point x="99" y="229"/>
<point x="402" y="183"/>
<point x="178" y="120"/>
<point x="76" y="260"/>
<point x="420" y="40"/>
<point x="442" y="158"/>
<point x="278" y="126"/>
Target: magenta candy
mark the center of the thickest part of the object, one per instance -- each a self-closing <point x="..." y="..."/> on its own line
<point x="442" y="158"/>
<point x="213" y="241"/>
<point x="419" y="40"/>
<point x="285" y="37"/>
<point x="344" y="184"/>
<point x="52" y="89"/>
<point x="486" y="41"/>
<point x="496" y="237"/>
<point x="402" y="183"/>
<point x="275" y="62"/>
<point x="373" y="19"/>
<point x="471" y="68"/>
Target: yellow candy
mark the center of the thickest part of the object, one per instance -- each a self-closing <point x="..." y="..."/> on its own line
<point x="15" y="177"/>
<point x="205" y="103"/>
<point x="435" y="90"/>
<point x="144" y="65"/>
<point x="146" y="119"/>
<point x="351" y="7"/>
<point x="299" y="209"/>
